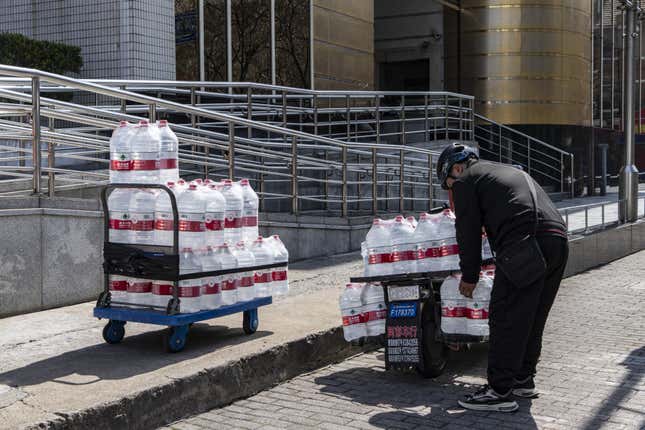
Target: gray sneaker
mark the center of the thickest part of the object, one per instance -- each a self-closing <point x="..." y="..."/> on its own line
<point x="525" y="388"/>
<point x="486" y="399"/>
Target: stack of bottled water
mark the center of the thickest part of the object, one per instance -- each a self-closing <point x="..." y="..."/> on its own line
<point x="218" y="226"/>
<point x="462" y="315"/>
<point x="363" y="311"/>
<point x="403" y="245"/>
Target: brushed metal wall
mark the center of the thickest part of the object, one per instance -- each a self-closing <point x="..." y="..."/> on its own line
<point x="525" y="61"/>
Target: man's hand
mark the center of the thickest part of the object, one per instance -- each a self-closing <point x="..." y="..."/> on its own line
<point x="466" y="289"/>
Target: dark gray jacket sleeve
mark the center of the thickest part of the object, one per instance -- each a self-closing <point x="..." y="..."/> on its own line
<point x="469" y="230"/>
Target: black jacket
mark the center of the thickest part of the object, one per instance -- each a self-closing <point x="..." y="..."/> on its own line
<point x="497" y="197"/>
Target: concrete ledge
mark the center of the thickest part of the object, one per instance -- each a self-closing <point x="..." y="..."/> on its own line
<point x="596" y="249"/>
<point x="212" y="388"/>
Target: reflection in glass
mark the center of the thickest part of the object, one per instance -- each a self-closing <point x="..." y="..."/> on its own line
<point x="186" y="40"/>
<point x="215" y="39"/>
<point x="251" y="31"/>
<point x="292" y="43"/>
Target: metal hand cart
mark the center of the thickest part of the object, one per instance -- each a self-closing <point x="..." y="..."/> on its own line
<point x="161" y="263"/>
<point x="413" y="336"/>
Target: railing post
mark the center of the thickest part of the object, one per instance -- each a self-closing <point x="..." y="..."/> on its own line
<point x="572" y="177"/>
<point x="344" y="185"/>
<point x="499" y="140"/>
<point x="249" y="109"/>
<point x="348" y="116"/>
<point x="35" y="131"/>
<point x="294" y="175"/>
<point x="445" y="113"/>
<point x="401" y="181"/>
<point x="425" y="122"/>
<point x="561" y="173"/>
<point x="231" y="151"/>
<point x="123" y="101"/>
<point x="377" y="112"/>
<point x="374" y="181"/>
<point x="152" y="113"/>
<point x="403" y="139"/>
<point x="315" y="109"/>
<point x="461" y="121"/>
<point x="284" y="109"/>
<point x="193" y="100"/>
<point x="430" y="186"/>
<point x="51" y="162"/>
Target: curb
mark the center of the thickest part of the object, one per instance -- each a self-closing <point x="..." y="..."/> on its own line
<point x="212" y="388"/>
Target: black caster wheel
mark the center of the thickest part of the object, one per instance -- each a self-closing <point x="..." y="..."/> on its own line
<point x="114" y="331"/>
<point x="251" y="322"/>
<point x="175" y="338"/>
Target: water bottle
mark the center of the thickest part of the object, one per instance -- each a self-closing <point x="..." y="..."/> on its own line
<point x="249" y="212"/>
<point x="374" y="309"/>
<point x="192" y="229"/>
<point x="120" y="154"/>
<point x="168" y="153"/>
<point x="478" y="306"/>
<point x="279" y="275"/>
<point x="351" y="310"/>
<point x="403" y="246"/>
<point x="161" y="293"/>
<point x="449" y="251"/>
<point x="211" y="288"/>
<point x="233" y="213"/>
<point x="412" y="222"/>
<point x="118" y="288"/>
<point x="425" y="236"/>
<point x="379" y="250"/>
<point x="164" y="224"/>
<point x="215" y="209"/>
<point x="228" y="283"/>
<point x="189" y="291"/>
<point x="264" y="254"/>
<point x="142" y="217"/>
<point x="245" y="258"/>
<point x="145" y="154"/>
<point x="487" y="253"/>
<point x="181" y="186"/>
<point x="453" y="307"/>
<point x="119" y="215"/>
<point x="139" y="292"/>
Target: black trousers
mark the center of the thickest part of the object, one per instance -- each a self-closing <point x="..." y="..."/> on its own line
<point x="517" y="318"/>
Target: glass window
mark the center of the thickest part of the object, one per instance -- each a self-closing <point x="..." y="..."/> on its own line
<point x="186" y="40"/>
<point x="251" y="31"/>
<point x="215" y="39"/>
<point x="292" y="43"/>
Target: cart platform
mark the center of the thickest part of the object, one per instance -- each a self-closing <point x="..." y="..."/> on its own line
<point x="161" y="318"/>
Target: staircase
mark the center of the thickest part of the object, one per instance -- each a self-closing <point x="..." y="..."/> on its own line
<point x="314" y="152"/>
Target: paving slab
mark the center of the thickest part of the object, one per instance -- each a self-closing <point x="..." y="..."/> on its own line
<point x="591" y="376"/>
<point x="57" y="371"/>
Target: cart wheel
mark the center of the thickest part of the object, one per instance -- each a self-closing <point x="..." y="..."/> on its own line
<point x="114" y="331"/>
<point x="175" y="338"/>
<point x="251" y="322"/>
<point x="435" y="353"/>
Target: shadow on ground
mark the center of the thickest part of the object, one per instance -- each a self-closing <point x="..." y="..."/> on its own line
<point x="136" y="355"/>
<point x="415" y="401"/>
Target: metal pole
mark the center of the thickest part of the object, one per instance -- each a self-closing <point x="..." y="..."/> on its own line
<point x="572" y="177"/>
<point x="592" y="160"/>
<point x="311" y="43"/>
<point x="430" y="186"/>
<point x="152" y="113"/>
<point x="35" y="131"/>
<point x="403" y="120"/>
<point x="315" y="108"/>
<point x="229" y="44"/>
<point x="561" y="173"/>
<point x="628" y="182"/>
<point x="273" y="72"/>
<point x="231" y="151"/>
<point x="51" y="162"/>
<point x="528" y="157"/>
<point x="348" y="116"/>
<point x="294" y="175"/>
<point x="284" y="109"/>
<point x="425" y="122"/>
<point x="202" y="61"/>
<point x="123" y="101"/>
<point x="374" y="182"/>
<point x="602" y="65"/>
<point x="401" y="181"/>
<point x="344" y="187"/>
<point x="613" y="65"/>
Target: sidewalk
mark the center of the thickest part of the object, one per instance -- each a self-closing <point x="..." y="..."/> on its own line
<point x="592" y="376"/>
<point x="56" y="367"/>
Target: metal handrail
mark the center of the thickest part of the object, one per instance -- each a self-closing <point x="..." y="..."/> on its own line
<point x="589" y="227"/>
<point x="95" y="120"/>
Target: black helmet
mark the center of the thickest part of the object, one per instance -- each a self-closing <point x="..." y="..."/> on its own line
<point x="451" y="155"/>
